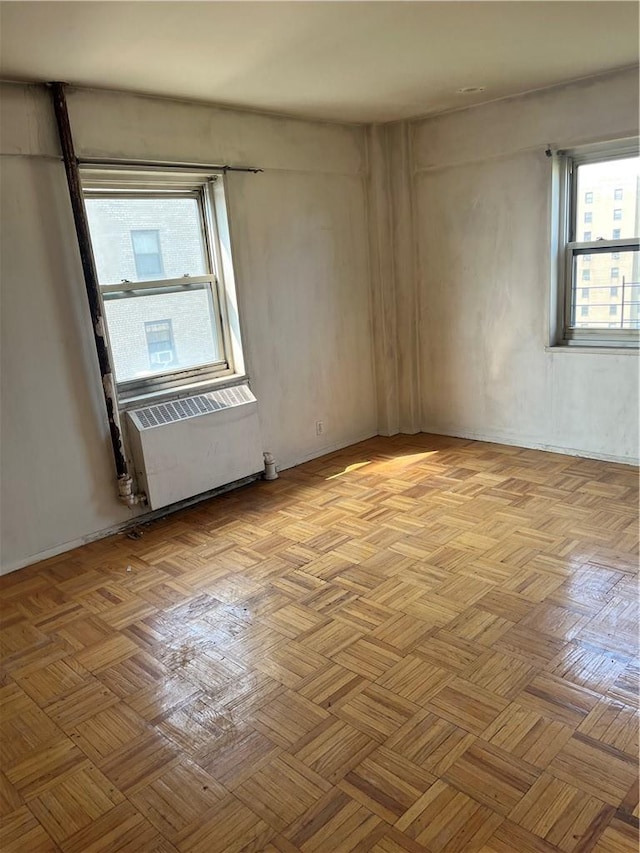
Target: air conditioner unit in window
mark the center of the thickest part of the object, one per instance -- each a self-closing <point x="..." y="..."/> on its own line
<point x="186" y="447"/>
<point x="163" y="357"/>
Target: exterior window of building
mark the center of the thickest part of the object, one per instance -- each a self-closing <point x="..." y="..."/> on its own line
<point x="590" y="176"/>
<point x="585" y="292"/>
<point x="160" y="345"/>
<point x="157" y="247"/>
<point x="147" y="254"/>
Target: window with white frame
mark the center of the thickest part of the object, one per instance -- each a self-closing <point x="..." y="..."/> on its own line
<point x="156" y="247"/>
<point x="593" y="175"/>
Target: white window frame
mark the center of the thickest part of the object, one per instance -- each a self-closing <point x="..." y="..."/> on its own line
<point x="569" y="248"/>
<point x="208" y="188"/>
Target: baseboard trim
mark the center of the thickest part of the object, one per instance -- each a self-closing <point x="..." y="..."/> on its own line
<point x="146" y="517"/>
<point x="323" y="451"/>
<point x="494" y="438"/>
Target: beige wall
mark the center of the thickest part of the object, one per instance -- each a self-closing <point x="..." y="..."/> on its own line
<point x="482" y="184"/>
<point x="420" y="248"/>
<point x="300" y="236"/>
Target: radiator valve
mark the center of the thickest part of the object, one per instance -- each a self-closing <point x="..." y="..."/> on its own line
<point x="270" y="472"/>
<point x="126" y="493"/>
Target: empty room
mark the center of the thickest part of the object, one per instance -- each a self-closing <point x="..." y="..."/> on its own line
<point x="320" y="326"/>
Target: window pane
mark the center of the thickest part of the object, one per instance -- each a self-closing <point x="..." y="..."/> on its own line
<point x="612" y="187"/>
<point x="138" y="239"/>
<point x="162" y="332"/>
<point x="613" y="293"/>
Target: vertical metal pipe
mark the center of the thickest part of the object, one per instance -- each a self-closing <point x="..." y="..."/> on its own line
<point x="90" y="274"/>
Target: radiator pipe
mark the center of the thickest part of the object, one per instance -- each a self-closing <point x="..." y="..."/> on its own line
<point x="125" y="483"/>
<point x="270" y="470"/>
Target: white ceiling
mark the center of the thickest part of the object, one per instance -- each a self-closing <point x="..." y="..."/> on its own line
<point x="347" y="61"/>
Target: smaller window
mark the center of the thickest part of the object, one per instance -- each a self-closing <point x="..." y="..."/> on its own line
<point x="592" y="262"/>
<point x="160" y="343"/>
<point x="147" y="254"/>
<point x="613" y="309"/>
<point x="617" y="194"/>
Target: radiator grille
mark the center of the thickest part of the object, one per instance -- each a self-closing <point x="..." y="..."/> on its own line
<point x="190" y="407"/>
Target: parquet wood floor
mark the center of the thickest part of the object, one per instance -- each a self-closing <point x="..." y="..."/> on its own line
<point x="415" y="645"/>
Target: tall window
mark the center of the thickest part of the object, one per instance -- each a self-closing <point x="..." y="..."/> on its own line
<point x="591" y="176"/>
<point x="156" y="245"/>
<point x="147" y="254"/>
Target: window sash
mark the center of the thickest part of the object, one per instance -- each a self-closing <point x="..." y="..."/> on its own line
<point x="130" y="287"/>
<point x="617" y="336"/>
<point x="176" y="376"/>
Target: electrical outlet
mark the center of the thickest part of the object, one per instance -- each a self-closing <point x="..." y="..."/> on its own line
<point x="319" y="427"/>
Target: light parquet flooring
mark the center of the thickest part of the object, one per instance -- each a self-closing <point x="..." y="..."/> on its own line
<point x="414" y="645"/>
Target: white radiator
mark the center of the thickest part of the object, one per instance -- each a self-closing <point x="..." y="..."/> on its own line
<point x="185" y="447"/>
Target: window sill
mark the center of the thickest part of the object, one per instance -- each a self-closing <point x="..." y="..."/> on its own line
<point x="593" y="350"/>
<point x="183" y="391"/>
